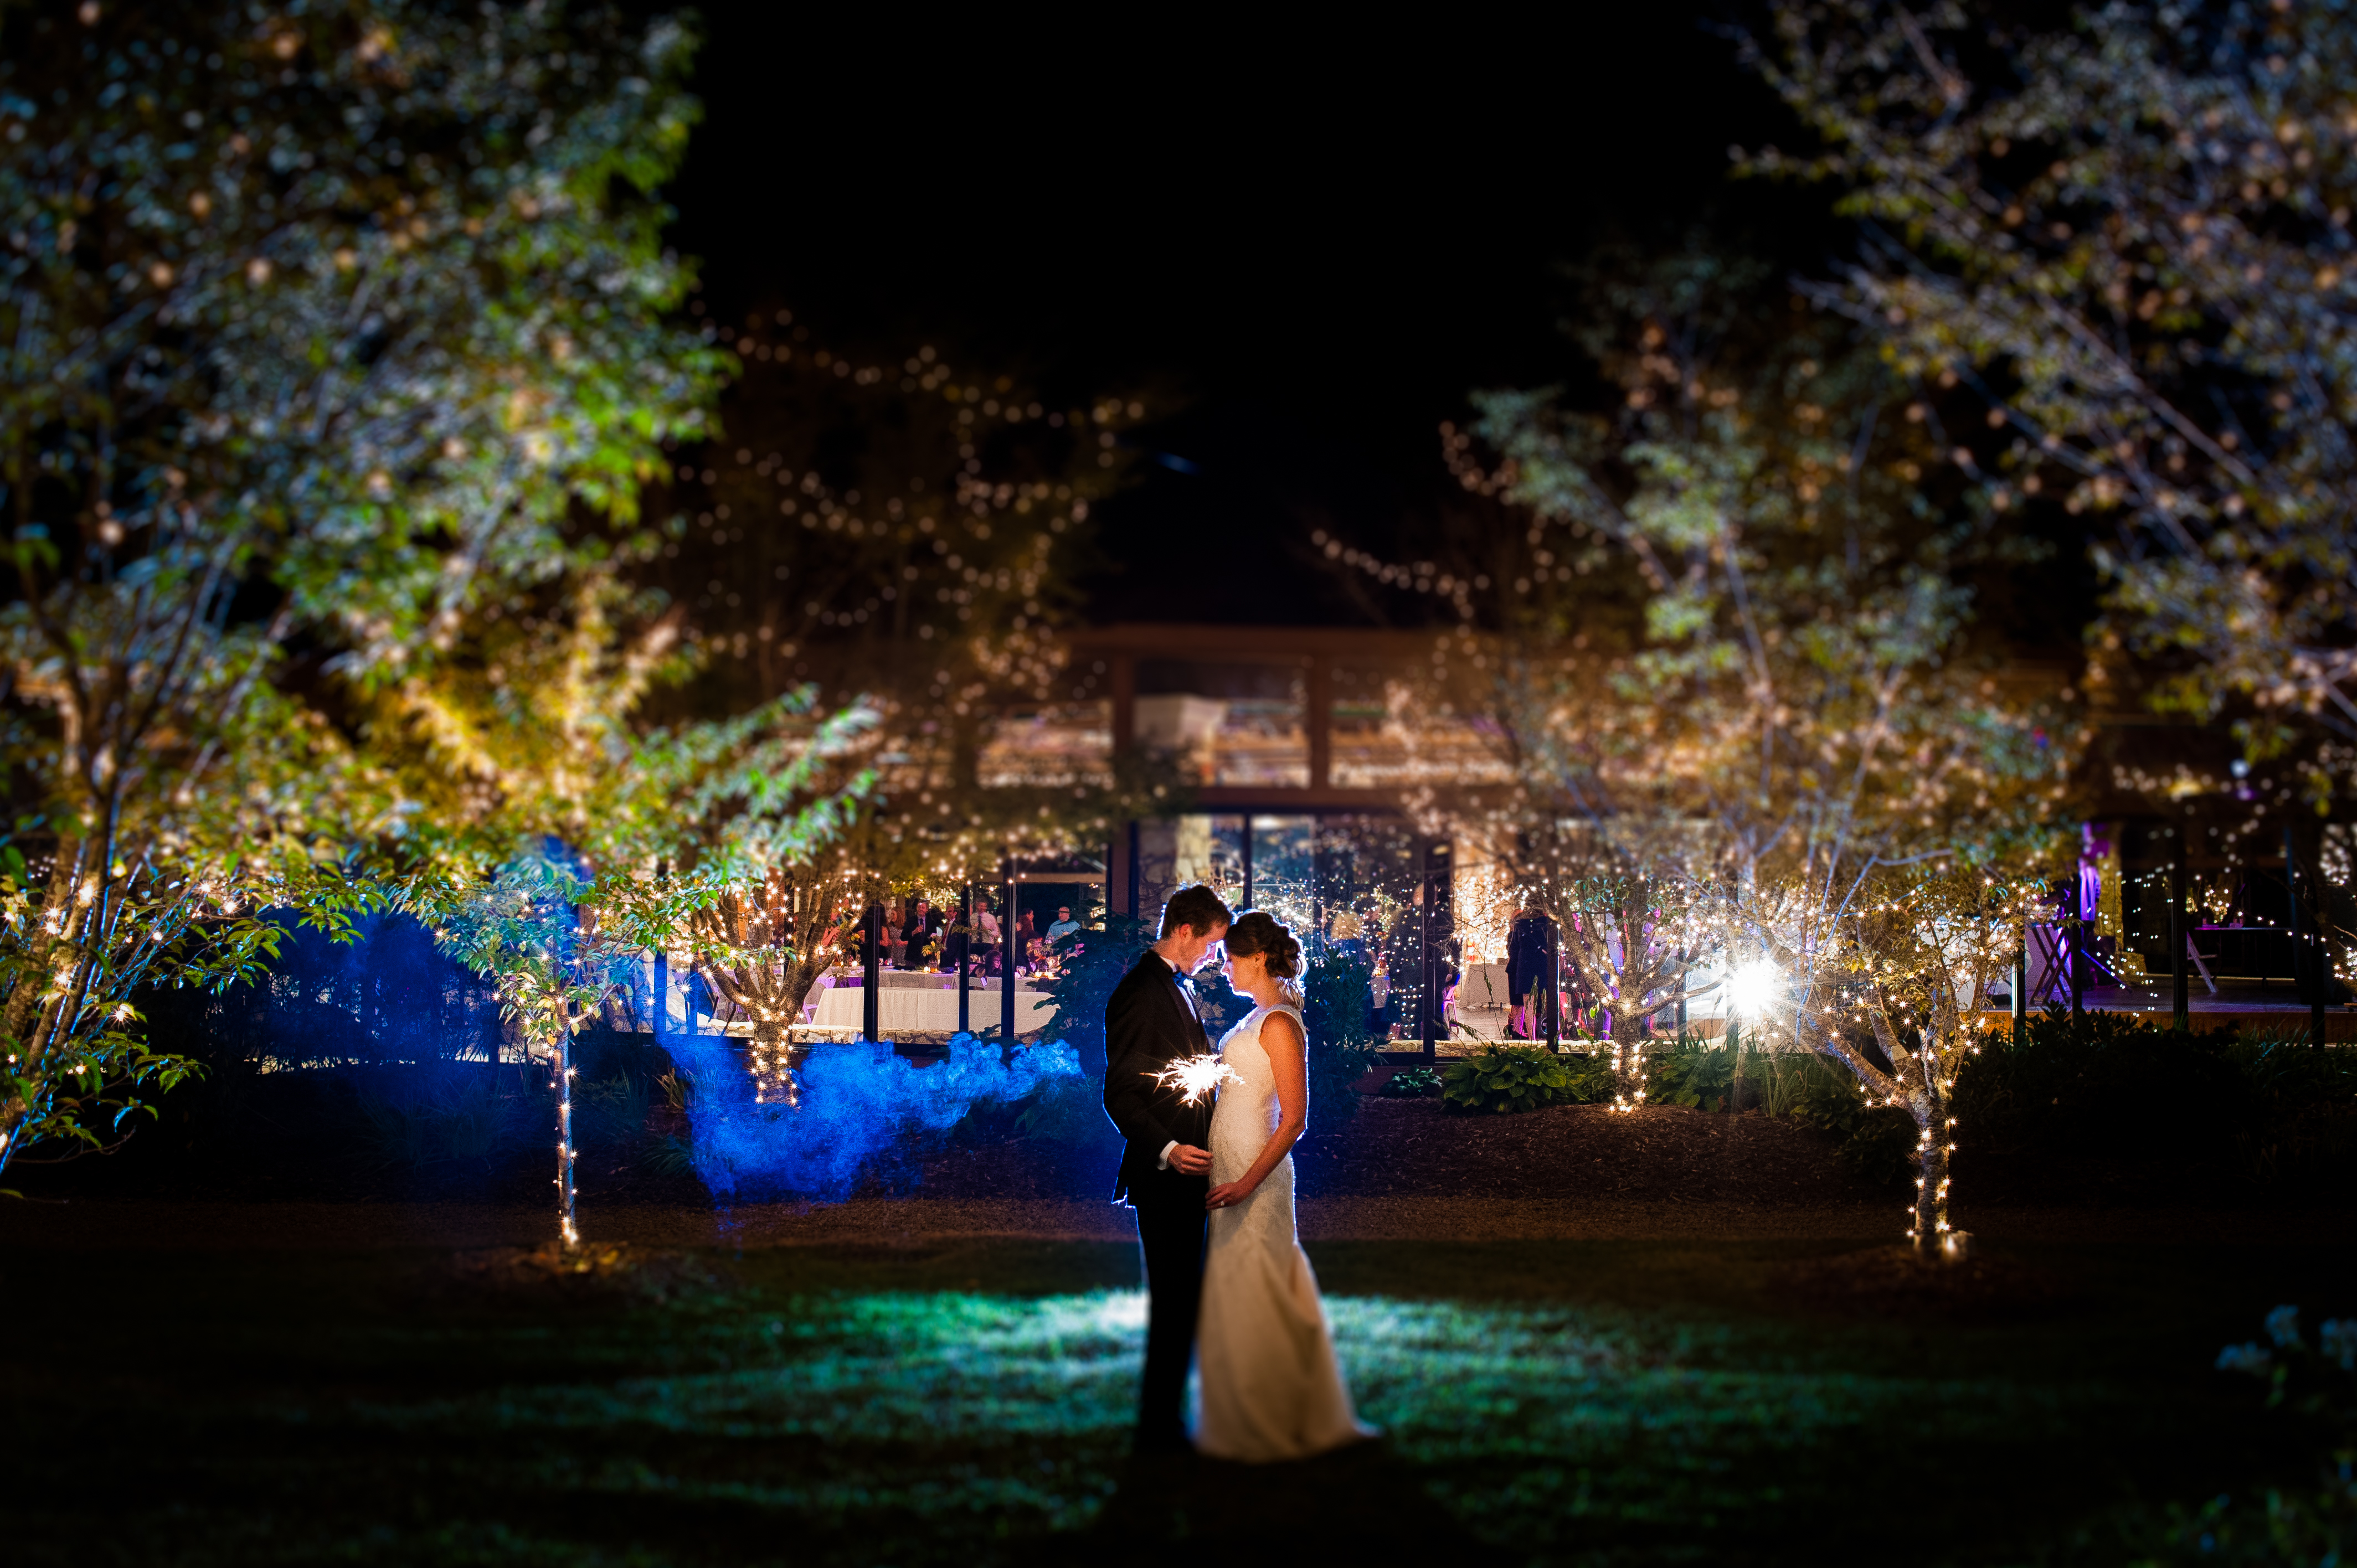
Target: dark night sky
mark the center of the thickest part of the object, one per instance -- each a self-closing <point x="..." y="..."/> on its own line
<point x="1312" y="244"/>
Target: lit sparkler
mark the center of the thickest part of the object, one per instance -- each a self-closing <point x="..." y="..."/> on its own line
<point x="1196" y="1076"/>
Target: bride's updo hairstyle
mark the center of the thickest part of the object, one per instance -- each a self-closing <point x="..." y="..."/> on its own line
<point x="1256" y="932"/>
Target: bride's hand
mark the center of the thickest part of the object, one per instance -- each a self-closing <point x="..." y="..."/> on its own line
<point x="1227" y="1195"/>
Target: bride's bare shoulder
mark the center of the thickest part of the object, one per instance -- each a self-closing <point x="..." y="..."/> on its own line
<point x="1280" y="1027"/>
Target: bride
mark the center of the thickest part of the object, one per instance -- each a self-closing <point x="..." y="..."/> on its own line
<point x="1270" y="1385"/>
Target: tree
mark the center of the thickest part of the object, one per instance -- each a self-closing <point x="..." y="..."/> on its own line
<point x="522" y="930"/>
<point x="896" y="530"/>
<point x="2113" y="262"/>
<point x="1806" y="717"/>
<point x="326" y="335"/>
<point x="1791" y="706"/>
<point x="664" y="827"/>
<point x="1918" y="947"/>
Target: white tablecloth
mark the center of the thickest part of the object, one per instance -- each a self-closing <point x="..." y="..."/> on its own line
<point x="1472" y="990"/>
<point x="901" y="1010"/>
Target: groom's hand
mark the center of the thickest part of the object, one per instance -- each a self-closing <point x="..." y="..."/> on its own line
<point x="1189" y="1160"/>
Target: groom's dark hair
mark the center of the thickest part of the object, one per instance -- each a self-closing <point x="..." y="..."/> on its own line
<point x="1197" y="909"/>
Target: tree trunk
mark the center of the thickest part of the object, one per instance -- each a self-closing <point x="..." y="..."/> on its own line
<point x="1930" y="1224"/>
<point x="564" y="1225"/>
<point x="1627" y="1060"/>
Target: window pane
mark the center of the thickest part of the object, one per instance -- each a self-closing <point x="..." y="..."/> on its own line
<point x="1228" y="723"/>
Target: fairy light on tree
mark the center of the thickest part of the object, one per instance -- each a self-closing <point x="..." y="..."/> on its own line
<point x="306" y="345"/>
<point x="902" y="529"/>
<point x="2119" y="286"/>
<point x="1732" y="650"/>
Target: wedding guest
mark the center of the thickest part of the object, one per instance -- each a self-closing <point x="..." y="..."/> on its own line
<point x="1348" y="940"/>
<point x="987" y="937"/>
<point x="1526" y="961"/>
<point x="1062" y="926"/>
<point x="917" y="934"/>
<point x="1026" y="940"/>
<point x="895" y="920"/>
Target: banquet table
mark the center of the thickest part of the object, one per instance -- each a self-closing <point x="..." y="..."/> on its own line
<point x="911" y="1010"/>
<point x="1484" y="985"/>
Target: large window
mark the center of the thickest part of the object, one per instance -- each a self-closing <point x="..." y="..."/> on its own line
<point x="1228" y="723"/>
<point x="1059" y="744"/>
<point x="1390" y="733"/>
<point x="1338" y="878"/>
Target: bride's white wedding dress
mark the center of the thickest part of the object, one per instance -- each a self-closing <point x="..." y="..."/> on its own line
<point x="1270" y="1387"/>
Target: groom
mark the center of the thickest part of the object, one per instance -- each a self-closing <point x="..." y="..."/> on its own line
<point x="1166" y="1167"/>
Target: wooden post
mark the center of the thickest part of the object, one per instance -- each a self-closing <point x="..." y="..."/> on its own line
<point x="2077" y="930"/>
<point x="1006" y="979"/>
<point x="1248" y="859"/>
<point x="1551" y="997"/>
<point x="2304" y="944"/>
<point x="2180" y="1005"/>
<point x="1320" y="722"/>
<point x="1136" y="886"/>
<point x="871" y="970"/>
<point x="965" y="954"/>
<point x="2021" y="984"/>
<point x="1427" y="966"/>
<point x="662" y="968"/>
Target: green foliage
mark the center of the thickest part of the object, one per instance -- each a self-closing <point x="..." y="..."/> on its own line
<point x="613" y="1111"/>
<point x="1506" y="1078"/>
<point x="2108" y="1086"/>
<point x="1411" y="1083"/>
<point x="1067" y="1110"/>
<point x="1875" y="1141"/>
<point x="1694" y="1073"/>
<point x="416" y="1119"/>
<point x="343" y="330"/>
<point x="2116" y="274"/>
<point x="1093" y="966"/>
<point x="2283" y="1526"/>
<point x="1342" y="1044"/>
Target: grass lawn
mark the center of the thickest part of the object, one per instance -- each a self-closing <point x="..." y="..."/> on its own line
<point x="1593" y="1401"/>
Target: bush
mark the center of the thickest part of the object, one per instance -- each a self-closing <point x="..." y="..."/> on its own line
<point x="1695" y="1073"/>
<point x="2248" y="1107"/>
<point x="1506" y="1078"/>
<point x="2315" y="1524"/>
<point x="1411" y="1083"/>
<point x="417" y="1118"/>
<point x="1875" y="1141"/>
<point x="1337" y="1010"/>
<point x="1094" y="963"/>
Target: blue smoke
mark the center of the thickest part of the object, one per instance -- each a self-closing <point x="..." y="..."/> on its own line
<point x="857" y="1103"/>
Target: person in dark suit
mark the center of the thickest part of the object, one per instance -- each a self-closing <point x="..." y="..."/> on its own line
<point x="1165" y="1161"/>
<point x="919" y="935"/>
<point x="1526" y="964"/>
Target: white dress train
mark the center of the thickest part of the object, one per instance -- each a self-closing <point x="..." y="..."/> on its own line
<point x="1269" y="1387"/>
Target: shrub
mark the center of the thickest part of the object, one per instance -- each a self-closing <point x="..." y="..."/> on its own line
<point x="1066" y="1110"/>
<point x="1507" y="1079"/>
<point x="1411" y="1083"/>
<point x="2253" y="1107"/>
<point x="2314" y="1524"/>
<point x="1875" y="1141"/>
<point x="416" y="1118"/>
<point x="613" y="1111"/>
<point x="1337" y="1010"/>
<point x="1094" y="963"/>
<point x="1694" y="1073"/>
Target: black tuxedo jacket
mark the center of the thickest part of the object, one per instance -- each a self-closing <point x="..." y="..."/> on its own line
<point x="1148" y="1026"/>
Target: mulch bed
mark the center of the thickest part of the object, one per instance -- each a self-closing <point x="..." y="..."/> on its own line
<point x="1412" y="1147"/>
